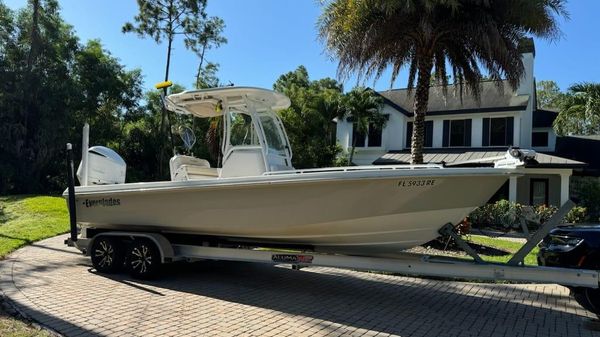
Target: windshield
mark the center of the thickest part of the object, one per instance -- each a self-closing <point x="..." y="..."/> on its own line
<point x="273" y="135"/>
<point x="242" y="130"/>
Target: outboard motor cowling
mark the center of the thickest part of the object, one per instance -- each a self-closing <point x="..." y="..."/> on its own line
<point x="104" y="166"/>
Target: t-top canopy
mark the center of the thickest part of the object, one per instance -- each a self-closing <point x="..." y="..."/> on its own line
<point x="207" y="103"/>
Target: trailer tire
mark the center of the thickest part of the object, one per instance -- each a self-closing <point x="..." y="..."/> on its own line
<point x="588" y="298"/>
<point x="107" y="254"/>
<point x="143" y="259"/>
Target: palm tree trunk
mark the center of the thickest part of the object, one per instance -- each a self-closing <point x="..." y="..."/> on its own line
<point x="352" y="151"/>
<point x="420" y="109"/>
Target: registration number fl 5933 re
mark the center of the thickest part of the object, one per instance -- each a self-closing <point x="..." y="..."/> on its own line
<point x="416" y="183"/>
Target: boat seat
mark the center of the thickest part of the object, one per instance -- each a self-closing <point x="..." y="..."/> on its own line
<point x="191" y="168"/>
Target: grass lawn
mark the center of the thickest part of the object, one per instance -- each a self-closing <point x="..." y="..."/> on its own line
<point x="12" y="327"/>
<point x="23" y="220"/>
<point x="506" y="245"/>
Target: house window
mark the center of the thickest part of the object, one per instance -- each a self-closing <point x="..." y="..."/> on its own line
<point x="428" y="134"/>
<point x="457" y="132"/>
<point x="371" y="139"/>
<point x="358" y="138"/>
<point x="538" y="192"/>
<point x="375" y="135"/>
<point x="539" y="139"/>
<point x="498" y="131"/>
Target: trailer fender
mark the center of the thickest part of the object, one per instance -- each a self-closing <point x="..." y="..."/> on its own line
<point x="164" y="246"/>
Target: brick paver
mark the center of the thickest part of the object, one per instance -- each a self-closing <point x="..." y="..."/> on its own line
<point x="57" y="287"/>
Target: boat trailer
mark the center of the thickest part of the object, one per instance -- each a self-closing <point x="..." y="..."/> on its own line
<point x="162" y="250"/>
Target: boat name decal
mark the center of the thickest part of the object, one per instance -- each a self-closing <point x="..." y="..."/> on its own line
<point x="104" y="202"/>
<point x="416" y="183"/>
<point x="292" y="258"/>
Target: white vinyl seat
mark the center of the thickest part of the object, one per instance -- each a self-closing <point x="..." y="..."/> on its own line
<point x="191" y="168"/>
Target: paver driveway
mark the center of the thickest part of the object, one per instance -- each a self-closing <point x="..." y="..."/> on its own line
<point x="57" y="287"/>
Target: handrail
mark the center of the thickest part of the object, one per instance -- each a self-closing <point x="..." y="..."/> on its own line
<point x="356" y="168"/>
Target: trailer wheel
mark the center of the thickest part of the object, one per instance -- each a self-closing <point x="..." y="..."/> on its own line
<point x="107" y="254"/>
<point x="143" y="259"/>
<point x="588" y="298"/>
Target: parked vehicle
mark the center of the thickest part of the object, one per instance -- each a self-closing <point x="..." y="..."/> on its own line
<point x="574" y="247"/>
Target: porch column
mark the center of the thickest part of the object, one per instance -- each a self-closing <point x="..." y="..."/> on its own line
<point x="564" y="188"/>
<point x="512" y="189"/>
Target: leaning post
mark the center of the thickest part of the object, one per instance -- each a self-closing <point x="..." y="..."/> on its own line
<point x="71" y="190"/>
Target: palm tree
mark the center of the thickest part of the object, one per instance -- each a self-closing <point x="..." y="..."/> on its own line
<point x="579" y="110"/>
<point x="362" y="106"/>
<point x="370" y="36"/>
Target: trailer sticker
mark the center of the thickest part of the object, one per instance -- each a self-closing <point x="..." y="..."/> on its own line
<point x="104" y="202"/>
<point x="292" y="258"/>
<point x="416" y="183"/>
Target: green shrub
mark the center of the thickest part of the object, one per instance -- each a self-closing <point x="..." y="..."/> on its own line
<point x="545" y="212"/>
<point x="589" y="197"/>
<point x="504" y="214"/>
<point x="577" y="215"/>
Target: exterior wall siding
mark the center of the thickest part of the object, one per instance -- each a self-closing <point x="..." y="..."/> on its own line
<point x="523" y="186"/>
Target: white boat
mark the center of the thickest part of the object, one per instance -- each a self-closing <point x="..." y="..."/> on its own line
<point x="258" y="198"/>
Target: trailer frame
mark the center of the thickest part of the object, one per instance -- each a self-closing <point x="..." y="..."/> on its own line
<point x="403" y="263"/>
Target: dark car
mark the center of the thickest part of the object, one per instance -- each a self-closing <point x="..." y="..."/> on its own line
<point x="574" y="247"/>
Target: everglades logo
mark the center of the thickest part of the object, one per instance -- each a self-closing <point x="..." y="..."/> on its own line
<point x="104" y="202"/>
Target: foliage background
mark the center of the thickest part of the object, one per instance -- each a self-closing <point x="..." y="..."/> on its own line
<point x="51" y="83"/>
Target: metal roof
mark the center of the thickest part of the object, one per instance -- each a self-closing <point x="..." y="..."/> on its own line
<point x="474" y="157"/>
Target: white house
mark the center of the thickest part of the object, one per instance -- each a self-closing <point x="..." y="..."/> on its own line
<point x="459" y="130"/>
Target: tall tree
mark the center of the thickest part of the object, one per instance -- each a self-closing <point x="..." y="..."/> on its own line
<point x="579" y="110"/>
<point x="46" y="95"/>
<point x="207" y="76"/>
<point x="163" y="20"/>
<point x="106" y="92"/>
<point x="309" y="120"/>
<point x="210" y="37"/>
<point x="36" y="90"/>
<point x="362" y="106"/>
<point x="370" y="36"/>
<point x="548" y="94"/>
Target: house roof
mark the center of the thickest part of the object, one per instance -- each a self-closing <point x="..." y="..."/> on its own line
<point x="493" y="99"/>
<point x="543" y="118"/>
<point x="582" y="148"/>
<point x="474" y="157"/>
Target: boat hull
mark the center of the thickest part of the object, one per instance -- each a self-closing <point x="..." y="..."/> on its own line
<point x="346" y="213"/>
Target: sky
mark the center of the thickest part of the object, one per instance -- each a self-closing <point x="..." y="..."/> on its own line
<point x="267" y="38"/>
